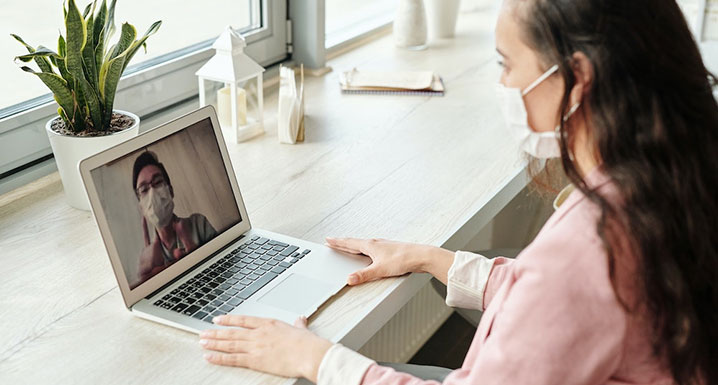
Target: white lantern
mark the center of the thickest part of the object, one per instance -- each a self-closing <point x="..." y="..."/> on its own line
<point x="240" y="102"/>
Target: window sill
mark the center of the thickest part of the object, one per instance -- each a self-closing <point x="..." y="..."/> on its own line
<point x="348" y="39"/>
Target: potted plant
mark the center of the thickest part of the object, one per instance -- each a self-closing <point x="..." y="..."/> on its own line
<point x="82" y="76"/>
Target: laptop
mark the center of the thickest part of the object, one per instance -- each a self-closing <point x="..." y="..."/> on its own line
<point x="183" y="250"/>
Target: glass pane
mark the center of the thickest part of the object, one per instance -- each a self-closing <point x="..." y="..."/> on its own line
<point x="710" y="28"/>
<point x="351" y="17"/>
<point x="39" y="22"/>
<point x="690" y="9"/>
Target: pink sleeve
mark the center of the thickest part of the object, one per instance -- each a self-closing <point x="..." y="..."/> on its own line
<point x="468" y="276"/>
<point x="559" y="323"/>
<point x="499" y="273"/>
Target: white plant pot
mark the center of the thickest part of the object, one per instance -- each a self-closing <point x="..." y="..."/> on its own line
<point x="70" y="150"/>
<point x="441" y="17"/>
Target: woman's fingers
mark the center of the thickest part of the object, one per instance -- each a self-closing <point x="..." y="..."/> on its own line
<point x="227" y="346"/>
<point x="366" y="274"/>
<point x="225" y="334"/>
<point x="233" y="359"/>
<point x="357" y="245"/>
<point x="273" y="346"/>
<point x="350" y="251"/>
<point x="243" y="321"/>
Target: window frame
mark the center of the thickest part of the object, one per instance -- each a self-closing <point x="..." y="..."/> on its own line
<point x="340" y="39"/>
<point x="163" y="81"/>
<point x="709" y="48"/>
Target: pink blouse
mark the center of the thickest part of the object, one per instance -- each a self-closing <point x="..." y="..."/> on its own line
<point x="551" y="315"/>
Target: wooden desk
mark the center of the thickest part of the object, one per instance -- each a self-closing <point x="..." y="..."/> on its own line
<point x="419" y="169"/>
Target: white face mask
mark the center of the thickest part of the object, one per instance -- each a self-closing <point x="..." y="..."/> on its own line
<point x="539" y="144"/>
<point x="157" y="206"/>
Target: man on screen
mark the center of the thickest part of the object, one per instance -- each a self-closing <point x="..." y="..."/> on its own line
<point x="167" y="237"/>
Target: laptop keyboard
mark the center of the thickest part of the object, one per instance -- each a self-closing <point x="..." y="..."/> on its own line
<point x="228" y="282"/>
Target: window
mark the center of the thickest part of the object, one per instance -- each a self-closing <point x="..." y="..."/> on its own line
<point x="702" y="17"/>
<point x="158" y="79"/>
<point x="44" y="27"/>
<point x="705" y="27"/>
<point x="347" y="19"/>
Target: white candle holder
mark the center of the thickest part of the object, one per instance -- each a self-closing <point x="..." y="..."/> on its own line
<point x="240" y="104"/>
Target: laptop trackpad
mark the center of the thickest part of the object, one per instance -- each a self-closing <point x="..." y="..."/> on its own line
<point x="296" y="293"/>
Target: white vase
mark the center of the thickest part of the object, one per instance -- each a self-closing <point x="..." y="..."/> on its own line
<point x="70" y="150"/>
<point x="410" y="25"/>
<point x="441" y="17"/>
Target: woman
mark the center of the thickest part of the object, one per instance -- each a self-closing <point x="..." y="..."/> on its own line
<point x="621" y="284"/>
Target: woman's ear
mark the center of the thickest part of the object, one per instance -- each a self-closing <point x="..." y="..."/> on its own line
<point x="583" y="73"/>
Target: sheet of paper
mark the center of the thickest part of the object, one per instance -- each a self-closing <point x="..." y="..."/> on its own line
<point x="409" y="80"/>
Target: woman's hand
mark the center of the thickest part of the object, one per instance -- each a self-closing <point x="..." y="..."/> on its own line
<point x="266" y="345"/>
<point x="390" y="258"/>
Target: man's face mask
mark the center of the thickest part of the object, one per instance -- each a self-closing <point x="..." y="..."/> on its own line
<point x="537" y="144"/>
<point x="157" y="206"/>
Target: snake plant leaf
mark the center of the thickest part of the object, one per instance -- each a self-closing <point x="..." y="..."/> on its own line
<point x="112" y="69"/>
<point x="76" y="39"/>
<point x="75" y="44"/>
<point x="86" y="11"/>
<point x="92" y="101"/>
<point x="61" y="46"/>
<point x="88" y="54"/>
<point x="43" y="62"/>
<point x="99" y="24"/>
<point x="40" y="61"/>
<point x="110" y="21"/>
<point x="109" y="78"/>
<point x="89" y="73"/>
<point x="92" y="12"/>
<point x="80" y="97"/>
<point x="127" y="37"/>
<point x="58" y="86"/>
<point x="69" y="122"/>
<point x="141" y="42"/>
<point x="62" y="68"/>
<point x="62" y="114"/>
<point x="98" y="31"/>
<point x="60" y="62"/>
<point x="40" y="52"/>
<point x="106" y="57"/>
<point x="19" y="39"/>
<point x="99" y="53"/>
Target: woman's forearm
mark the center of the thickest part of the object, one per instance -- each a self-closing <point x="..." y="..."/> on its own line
<point x="435" y="261"/>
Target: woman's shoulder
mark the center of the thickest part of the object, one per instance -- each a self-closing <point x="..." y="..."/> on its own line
<point x="569" y="252"/>
<point x="571" y="232"/>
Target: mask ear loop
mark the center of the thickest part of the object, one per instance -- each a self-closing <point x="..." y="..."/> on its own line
<point x="565" y="119"/>
<point x="539" y="80"/>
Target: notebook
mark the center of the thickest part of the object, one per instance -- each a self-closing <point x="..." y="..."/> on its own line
<point x="391" y="83"/>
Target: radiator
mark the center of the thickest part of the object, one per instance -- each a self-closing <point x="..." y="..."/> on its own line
<point x="409" y="329"/>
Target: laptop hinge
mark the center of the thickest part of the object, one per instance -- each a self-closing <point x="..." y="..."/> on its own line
<point x="177" y="278"/>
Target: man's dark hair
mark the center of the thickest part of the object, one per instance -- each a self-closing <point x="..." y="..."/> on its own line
<point x="145" y="159"/>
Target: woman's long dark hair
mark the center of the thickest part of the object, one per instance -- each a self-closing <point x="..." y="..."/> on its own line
<point x="654" y="122"/>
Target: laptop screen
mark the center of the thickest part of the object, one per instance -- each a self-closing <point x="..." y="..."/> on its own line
<point x="166" y="199"/>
